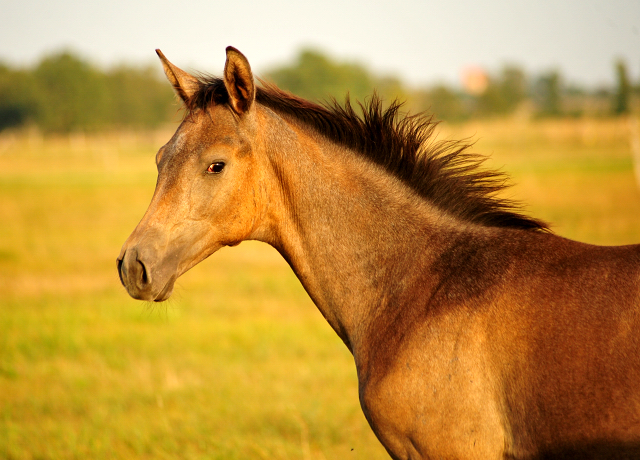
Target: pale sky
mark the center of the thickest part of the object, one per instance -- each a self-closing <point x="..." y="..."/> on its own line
<point x="421" y="42"/>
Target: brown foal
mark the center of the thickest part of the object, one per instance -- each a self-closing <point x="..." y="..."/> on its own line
<point x="476" y="332"/>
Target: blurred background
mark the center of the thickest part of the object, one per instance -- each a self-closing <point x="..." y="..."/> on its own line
<point x="239" y="363"/>
<point x="85" y="66"/>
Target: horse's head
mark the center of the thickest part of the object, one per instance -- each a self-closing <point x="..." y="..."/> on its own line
<point x="208" y="191"/>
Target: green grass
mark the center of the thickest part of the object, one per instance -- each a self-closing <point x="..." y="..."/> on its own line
<point x="239" y="363"/>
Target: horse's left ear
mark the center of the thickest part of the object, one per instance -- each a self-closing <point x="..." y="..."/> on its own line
<point x="238" y="79"/>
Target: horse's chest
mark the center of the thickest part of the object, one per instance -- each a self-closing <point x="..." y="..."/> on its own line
<point x="434" y="405"/>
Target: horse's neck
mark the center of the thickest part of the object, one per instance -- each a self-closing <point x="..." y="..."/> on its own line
<point x="349" y="231"/>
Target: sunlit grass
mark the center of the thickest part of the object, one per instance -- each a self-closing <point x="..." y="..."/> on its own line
<point x="575" y="174"/>
<point x="239" y="363"/>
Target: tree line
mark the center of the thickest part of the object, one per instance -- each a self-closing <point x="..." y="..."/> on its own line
<point x="65" y="93"/>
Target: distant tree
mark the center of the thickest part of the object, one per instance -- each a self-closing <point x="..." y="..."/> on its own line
<point x="391" y="88"/>
<point x="71" y="94"/>
<point x="65" y="93"/>
<point x="491" y="102"/>
<point x="513" y="87"/>
<point x="547" y="94"/>
<point x="138" y="98"/>
<point x="17" y="104"/>
<point x="623" y="89"/>
<point x="504" y="93"/>
<point x="316" y="77"/>
<point x="441" y="101"/>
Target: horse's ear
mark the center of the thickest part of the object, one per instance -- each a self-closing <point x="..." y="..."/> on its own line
<point x="184" y="84"/>
<point x="238" y="79"/>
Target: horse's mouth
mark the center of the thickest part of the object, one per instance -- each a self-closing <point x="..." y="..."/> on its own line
<point x="166" y="292"/>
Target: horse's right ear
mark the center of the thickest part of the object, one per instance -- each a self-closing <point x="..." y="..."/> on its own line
<point x="184" y="84"/>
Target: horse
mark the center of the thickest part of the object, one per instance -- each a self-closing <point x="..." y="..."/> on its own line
<point x="476" y="332"/>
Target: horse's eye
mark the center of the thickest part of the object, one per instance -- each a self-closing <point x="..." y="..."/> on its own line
<point x="216" y="168"/>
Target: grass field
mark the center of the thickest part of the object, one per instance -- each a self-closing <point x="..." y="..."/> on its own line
<point x="239" y="363"/>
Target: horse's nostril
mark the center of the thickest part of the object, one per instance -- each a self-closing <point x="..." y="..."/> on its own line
<point x="119" y="265"/>
<point x="144" y="276"/>
<point x="132" y="270"/>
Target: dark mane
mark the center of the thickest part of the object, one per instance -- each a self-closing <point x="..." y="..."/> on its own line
<point x="443" y="172"/>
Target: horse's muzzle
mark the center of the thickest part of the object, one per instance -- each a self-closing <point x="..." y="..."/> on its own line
<point x="135" y="275"/>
